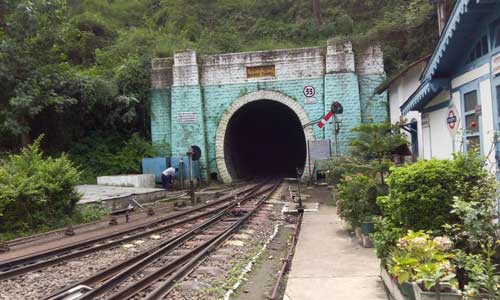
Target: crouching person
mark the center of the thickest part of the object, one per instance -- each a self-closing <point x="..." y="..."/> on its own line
<point x="167" y="178"/>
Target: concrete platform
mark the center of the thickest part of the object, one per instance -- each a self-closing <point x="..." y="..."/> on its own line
<point x="119" y="197"/>
<point x="330" y="264"/>
<point x="131" y="180"/>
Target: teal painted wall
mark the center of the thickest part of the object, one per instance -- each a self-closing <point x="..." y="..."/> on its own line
<point x="160" y="119"/>
<point x="211" y="101"/>
<point x="188" y="99"/>
<point x="374" y="108"/>
<point x="343" y="87"/>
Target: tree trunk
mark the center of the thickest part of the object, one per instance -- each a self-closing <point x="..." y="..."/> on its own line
<point x="317" y="11"/>
<point x="25" y="136"/>
<point x="25" y="139"/>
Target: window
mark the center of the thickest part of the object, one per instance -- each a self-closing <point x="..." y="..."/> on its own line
<point x="484" y="43"/>
<point x="497" y="36"/>
<point x="481" y="48"/>
<point x="414" y="137"/>
<point x="472" y="135"/>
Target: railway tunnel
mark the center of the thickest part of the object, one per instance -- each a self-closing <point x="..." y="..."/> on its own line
<point x="264" y="138"/>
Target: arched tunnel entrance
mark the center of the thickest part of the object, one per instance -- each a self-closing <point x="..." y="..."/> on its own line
<point x="264" y="138"/>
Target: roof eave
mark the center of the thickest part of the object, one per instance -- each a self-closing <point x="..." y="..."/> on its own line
<point x="424" y="94"/>
<point x="459" y="9"/>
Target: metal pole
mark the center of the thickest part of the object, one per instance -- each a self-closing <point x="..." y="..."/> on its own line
<point x="181" y="169"/>
<point x="191" y="185"/>
<point x="335" y="134"/>
<point x="309" y="157"/>
<point x="300" y="208"/>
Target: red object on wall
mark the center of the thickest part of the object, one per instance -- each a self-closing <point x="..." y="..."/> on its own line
<point x="325" y="119"/>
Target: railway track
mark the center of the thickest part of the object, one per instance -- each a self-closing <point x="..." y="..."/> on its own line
<point x="23" y="264"/>
<point x="45" y="237"/>
<point x="153" y="273"/>
<point x="83" y="228"/>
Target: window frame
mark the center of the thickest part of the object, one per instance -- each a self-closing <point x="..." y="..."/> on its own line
<point x="473" y="88"/>
<point x="473" y="52"/>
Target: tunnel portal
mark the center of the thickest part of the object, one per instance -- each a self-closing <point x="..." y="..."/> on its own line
<point x="264" y="138"/>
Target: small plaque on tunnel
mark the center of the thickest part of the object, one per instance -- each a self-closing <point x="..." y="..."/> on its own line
<point x="186" y="117"/>
<point x="261" y="71"/>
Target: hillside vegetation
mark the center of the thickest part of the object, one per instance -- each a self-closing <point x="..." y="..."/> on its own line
<point x="78" y="70"/>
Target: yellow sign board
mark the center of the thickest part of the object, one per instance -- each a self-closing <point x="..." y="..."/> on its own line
<point x="261" y="71"/>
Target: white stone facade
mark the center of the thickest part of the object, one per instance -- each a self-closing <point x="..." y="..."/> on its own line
<point x="187" y="69"/>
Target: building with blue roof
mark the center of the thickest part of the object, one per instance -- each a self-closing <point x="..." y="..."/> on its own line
<point x="459" y="92"/>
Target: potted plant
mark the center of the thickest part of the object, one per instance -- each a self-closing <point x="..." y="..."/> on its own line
<point x="438" y="279"/>
<point x="423" y="268"/>
<point x="368" y="226"/>
<point x="482" y="272"/>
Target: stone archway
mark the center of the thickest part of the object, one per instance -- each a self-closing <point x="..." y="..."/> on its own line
<point x="239" y="103"/>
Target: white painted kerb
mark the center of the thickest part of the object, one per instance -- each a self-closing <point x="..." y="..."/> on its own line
<point x="237" y="104"/>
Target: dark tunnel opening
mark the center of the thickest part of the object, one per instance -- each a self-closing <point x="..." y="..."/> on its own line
<point x="264" y="138"/>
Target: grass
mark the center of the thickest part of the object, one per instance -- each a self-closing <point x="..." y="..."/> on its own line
<point x="82" y="214"/>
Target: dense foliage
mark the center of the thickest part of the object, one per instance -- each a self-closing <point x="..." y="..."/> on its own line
<point x="421" y="195"/>
<point x="360" y="176"/>
<point x="375" y="144"/>
<point x="357" y="199"/>
<point x="37" y="191"/>
<point x="340" y="166"/>
<point x="68" y="68"/>
<point x="99" y="155"/>
<point x="452" y="197"/>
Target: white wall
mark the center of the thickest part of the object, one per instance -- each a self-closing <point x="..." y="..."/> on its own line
<point x="437" y="139"/>
<point x="438" y="142"/>
<point x="400" y="90"/>
<point x="488" y="129"/>
<point x="441" y="142"/>
<point x="426" y="138"/>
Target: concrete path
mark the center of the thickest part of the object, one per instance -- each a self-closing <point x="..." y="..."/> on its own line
<point x="329" y="264"/>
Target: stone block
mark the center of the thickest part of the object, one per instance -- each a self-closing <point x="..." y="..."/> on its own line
<point x="139" y="180"/>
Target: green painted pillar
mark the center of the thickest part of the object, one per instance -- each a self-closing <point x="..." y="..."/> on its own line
<point x="188" y="120"/>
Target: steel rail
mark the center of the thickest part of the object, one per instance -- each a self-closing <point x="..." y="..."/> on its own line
<point x="61" y="231"/>
<point x="166" y="286"/>
<point x="182" y="265"/>
<point x="143" y="259"/>
<point x="288" y="261"/>
<point x="34" y="262"/>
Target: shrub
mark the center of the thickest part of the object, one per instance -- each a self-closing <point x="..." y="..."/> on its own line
<point x="384" y="238"/>
<point x="358" y="196"/>
<point x="483" y="275"/>
<point x="340" y="166"/>
<point x="376" y="141"/>
<point x="36" y="192"/>
<point x="421" y="194"/>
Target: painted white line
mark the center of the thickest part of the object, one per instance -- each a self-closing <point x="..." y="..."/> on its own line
<point x="249" y="266"/>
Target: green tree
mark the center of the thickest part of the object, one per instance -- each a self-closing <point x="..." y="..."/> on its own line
<point x="33" y="71"/>
<point x="375" y="144"/>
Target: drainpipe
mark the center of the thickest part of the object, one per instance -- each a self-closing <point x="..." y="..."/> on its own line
<point x="441" y="12"/>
